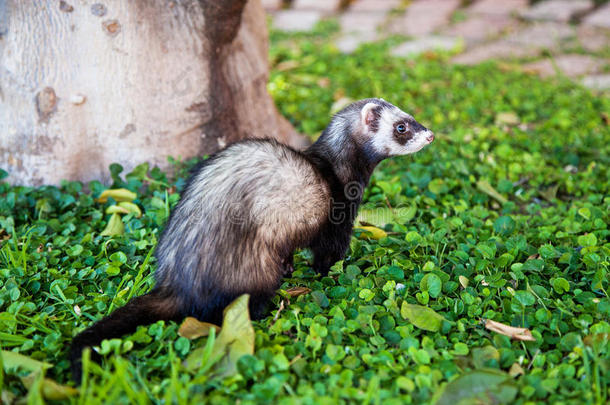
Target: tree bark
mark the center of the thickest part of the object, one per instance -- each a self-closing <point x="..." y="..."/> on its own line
<point x="84" y="84"/>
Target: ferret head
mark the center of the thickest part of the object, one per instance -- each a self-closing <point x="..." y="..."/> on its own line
<point x="366" y="132"/>
<point x="379" y="128"/>
<point x="386" y="130"/>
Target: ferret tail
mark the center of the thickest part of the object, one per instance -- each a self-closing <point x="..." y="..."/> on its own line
<point x="146" y="309"/>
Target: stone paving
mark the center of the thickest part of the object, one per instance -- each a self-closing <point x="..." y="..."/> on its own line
<point x="557" y="10"/>
<point x="549" y="37"/>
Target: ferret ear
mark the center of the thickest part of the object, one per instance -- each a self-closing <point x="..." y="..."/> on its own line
<point x="369" y="115"/>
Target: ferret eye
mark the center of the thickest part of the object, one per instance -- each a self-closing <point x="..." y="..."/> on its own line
<point x="401" y="128"/>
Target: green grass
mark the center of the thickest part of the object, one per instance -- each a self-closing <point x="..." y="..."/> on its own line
<point x="505" y="218"/>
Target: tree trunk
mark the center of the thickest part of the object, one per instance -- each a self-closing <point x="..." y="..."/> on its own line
<point x="86" y="84"/>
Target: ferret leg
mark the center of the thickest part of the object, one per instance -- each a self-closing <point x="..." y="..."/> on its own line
<point x="213" y="310"/>
<point x="288" y="265"/>
<point x="329" y="248"/>
<point x="259" y="305"/>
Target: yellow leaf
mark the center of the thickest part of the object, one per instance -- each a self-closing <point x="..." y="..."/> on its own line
<point x="372" y="232"/>
<point x="53" y="391"/>
<point x="382" y="216"/>
<point x="48" y="388"/>
<point x="124" y="207"/>
<point x="515" y="370"/>
<point x="118" y="194"/>
<point x="192" y="328"/>
<point x="115" y="209"/>
<point x="12" y="360"/>
<point x="7" y="397"/>
<point x="508" y="118"/>
<point x="115" y="226"/>
<point x="236" y="339"/>
<point x="237" y="332"/>
<point x="131" y="208"/>
<point x="510" y="331"/>
<point x="463" y="281"/>
<point x="287" y="65"/>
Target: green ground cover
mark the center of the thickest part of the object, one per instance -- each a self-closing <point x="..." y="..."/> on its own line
<point x="504" y="217"/>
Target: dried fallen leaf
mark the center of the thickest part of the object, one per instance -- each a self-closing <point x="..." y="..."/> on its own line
<point x="509" y="67"/>
<point x="510" y="331"/>
<point x="549" y="193"/>
<point x="279" y="311"/>
<point x="287" y="65"/>
<point x="516" y="370"/>
<point x="324" y="82"/>
<point x="570" y="169"/>
<point x="463" y="281"/>
<point x="296" y="291"/>
<point x="7" y="397"/>
<point x="508" y="118"/>
<point x="48" y="388"/>
<point x="118" y="194"/>
<point x="192" y="328"/>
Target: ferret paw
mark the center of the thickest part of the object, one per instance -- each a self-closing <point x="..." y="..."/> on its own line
<point x="288" y="266"/>
<point x="322" y="270"/>
<point x="288" y="269"/>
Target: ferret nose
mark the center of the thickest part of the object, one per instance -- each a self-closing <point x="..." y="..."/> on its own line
<point x="430" y="137"/>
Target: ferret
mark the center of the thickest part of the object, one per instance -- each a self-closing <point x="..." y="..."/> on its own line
<point x="246" y="209"/>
